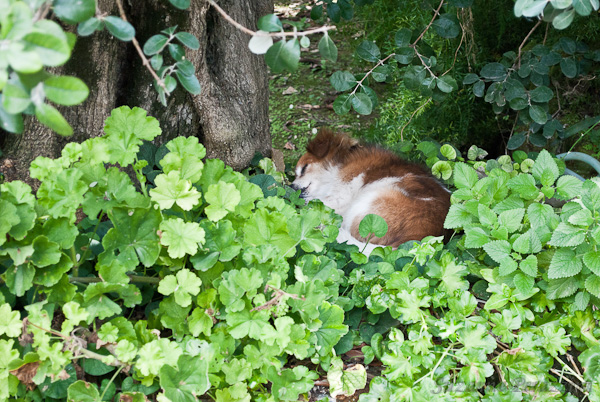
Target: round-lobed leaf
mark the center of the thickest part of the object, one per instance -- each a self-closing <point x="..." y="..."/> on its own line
<point x="50" y="117"/>
<point x="74" y="11"/>
<point x="269" y="23"/>
<point x="65" y="90"/>
<point x="368" y="51"/>
<point x="373" y="224"/>
<point x="119" y="28"/>
<point x="188" y="40"/>
<point x="155" y="44"/>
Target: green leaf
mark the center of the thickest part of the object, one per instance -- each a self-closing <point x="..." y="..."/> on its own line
<point x="545" y="164"/>
<point x="119" y="28"/>
<point x="342" y="81"/>
<point x="222" y="199"/>
<point x="134" y="235"/>
<point x="493" y="71"/>
<point x="464" y="175"/>
<point x="541" y="94"/>
<point x="529" y="266"/>
<point x="566" y="235"/>
<point x="181" y="285"/>
<point x="88" y="27"/>
<point x="345" y="382"/>
<point x="362" y="103"/>
<point x="181" y="237"/>
<point x="446" y="26"/>
<point x="516" y="140"/>
<point x="188" y="40"/>
<point x="342" y="104"/>
<point x="479" y="88"/>
<point x="405" y="55"/>
<point x="155" y="44"/>
<point x="327" y="48"/>
<point x="442" y="170"/>
<point x="189" y="82"/>
<point x="73" y="12"/>
<point x="511" y="219"/>
<point x="458" y="216"/>
<point x="52" y="50"/>
<point x="65" y="90"/>
<point x="538" y="114"/>
<point x="187" y="381"/>
<point x="180" y="4"/>
<point x="368" y="51"/>
<point x="402" y="37"/>
<point x="283" y="56"/>
<point x="170" y="189"/>
<point x="591" y="259"/>
<point x="260" y="43"/>
<point x="269" y="23"/>
<point x="50" y="117"/>
<point x="564" y="19"/>
<point x="557" y="289"/>
<point x="372" y="224"/>
<point x="10" y="322"/>
<point x="498" y="250"/>
<point x="568" y="67"/>
<point x="447" y="84"/>
<point x="331" y="330"/>
<point x="564" y="264"/>
<point x="81" y="391"/>
<point x="15" y="99"/>
<point x="524" y="185"/>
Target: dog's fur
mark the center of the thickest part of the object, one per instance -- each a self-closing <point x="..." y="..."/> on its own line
<point x="356" y="180"/>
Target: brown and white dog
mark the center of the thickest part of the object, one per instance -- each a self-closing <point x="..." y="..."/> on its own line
<point x="356" y="180"/>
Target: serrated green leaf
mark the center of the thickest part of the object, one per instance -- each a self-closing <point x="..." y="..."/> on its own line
<point x="171" y="189"/>
<point x="564" y="264"/>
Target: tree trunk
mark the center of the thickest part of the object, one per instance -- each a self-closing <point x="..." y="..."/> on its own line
<point x="230" y="116"/>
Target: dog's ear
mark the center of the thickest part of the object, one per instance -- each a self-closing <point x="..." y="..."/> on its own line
<point x="328" y="141"/>
<point x="322" y="143"/>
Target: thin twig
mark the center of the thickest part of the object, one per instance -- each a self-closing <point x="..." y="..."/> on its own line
<point x="42" y="12"/>
<point x="379" y="63"/>
<point x="558" y="373"/>
<point x="253" y="33"/>
<point x="525" y="41"/>
<point x="411" y="117"/>
<point x="435" y="14"/>
<point x="145" y="61"/>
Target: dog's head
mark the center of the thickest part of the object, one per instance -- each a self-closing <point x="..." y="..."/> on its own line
<point x="323" y="153"/>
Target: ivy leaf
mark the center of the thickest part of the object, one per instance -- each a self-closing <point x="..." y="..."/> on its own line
<point x="345" y="382"/>
<point x="372" y="224"/>
<point x="266" y="227"/>
<point x="134" y="236"/>
<point x="45" y="252"/>
<point x="505" y="325"/>
<point x="188" y="380"/>
<point x="10" y="322"/>
<point x="181" y="237"/>
<point x="81" y="391"/>
<point x="222" y="199"/>
<point x="564" y="264"/>
<point x="181" y="285"/>
<point x="331" y="330"/>
<point x="63" y="195"/>
<point x="171" y="189"/>
<point x="288" y="384"/>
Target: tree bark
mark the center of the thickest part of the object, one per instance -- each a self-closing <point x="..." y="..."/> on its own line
<point x="230" y="116"/>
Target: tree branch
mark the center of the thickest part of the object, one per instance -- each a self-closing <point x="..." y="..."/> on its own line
<point x="525" y="41"/>
<point x="435" y="14"/>
<point x="145" y="61"/>
<point x="276" y="34"/>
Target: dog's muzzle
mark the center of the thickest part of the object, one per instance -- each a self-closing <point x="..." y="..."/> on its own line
<point x="296" y="187"/>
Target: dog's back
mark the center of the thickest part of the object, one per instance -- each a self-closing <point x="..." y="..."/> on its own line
<point x="357" y="180"/>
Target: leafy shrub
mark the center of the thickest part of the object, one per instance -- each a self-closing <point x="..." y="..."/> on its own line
<point x="198" y="279"/>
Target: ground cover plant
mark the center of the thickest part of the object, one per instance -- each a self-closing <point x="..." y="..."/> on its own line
<point x="195" y="281"/>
